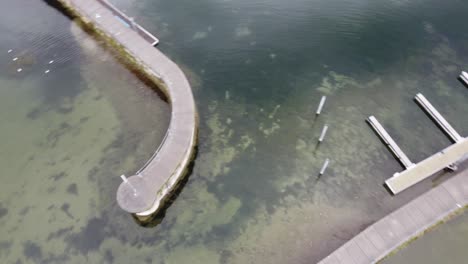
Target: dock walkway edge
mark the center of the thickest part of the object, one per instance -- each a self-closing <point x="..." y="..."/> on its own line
<point x="409" y="221"/>
<point x="144" y="193"/>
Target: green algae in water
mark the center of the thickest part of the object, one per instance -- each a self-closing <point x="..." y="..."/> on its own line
<point x="254" y="195"/>
<point x="70" y="134"/>
<point x="275" y="177"/>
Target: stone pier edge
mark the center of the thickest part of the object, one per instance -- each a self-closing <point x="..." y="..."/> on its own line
<point x="147" y="73"/>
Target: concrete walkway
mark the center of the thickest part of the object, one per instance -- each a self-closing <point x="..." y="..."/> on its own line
<point x="144" y="193"/>
<point x="387" y="234"/>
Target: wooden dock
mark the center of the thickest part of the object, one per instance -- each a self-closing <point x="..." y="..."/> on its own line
<point x="414" y="173"/>
<point x="438" y="118"/>
<point x="384" y="236"/>
<point x="381" y="238"/>
<point x="428" y="167"/>
<point x="143" y="194"/>
<point x="391" y="144"/>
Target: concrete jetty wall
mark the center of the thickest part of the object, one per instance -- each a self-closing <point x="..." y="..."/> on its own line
<point x="143" y="194"/>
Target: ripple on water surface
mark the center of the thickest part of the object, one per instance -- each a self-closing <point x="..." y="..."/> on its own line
<point x="258" y="69"/>
<point x="73" y="120"/>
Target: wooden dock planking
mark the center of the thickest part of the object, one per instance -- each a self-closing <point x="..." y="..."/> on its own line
<point x="426" y="168"/>
<point x="167" y="166"/>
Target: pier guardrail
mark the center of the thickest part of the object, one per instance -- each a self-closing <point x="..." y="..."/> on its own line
<point x="131" y="23"/>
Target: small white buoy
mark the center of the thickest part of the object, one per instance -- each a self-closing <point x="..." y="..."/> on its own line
<point x="10" y="50"/>
<point x="320" y="107"/>
<point x="324" y="167"/>
<point x="47" y="71"/>
<point x="15" y="58"/>
<point x="324" y="132"/>
<point x="52" y="61"/>
<point x="19" y="70"/>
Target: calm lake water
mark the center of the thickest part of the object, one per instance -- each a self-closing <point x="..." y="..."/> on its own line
<point x="258" y="69"/>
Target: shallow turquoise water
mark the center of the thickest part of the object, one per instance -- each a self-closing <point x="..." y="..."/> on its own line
<point x="258" y="70"/>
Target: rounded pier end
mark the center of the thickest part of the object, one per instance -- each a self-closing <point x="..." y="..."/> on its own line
<point x="134" y="196"/>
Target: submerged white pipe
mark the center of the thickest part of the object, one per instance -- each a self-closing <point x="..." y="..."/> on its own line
<point x="324" y="167"/>
<point x="324" y="132"/>
<point x="322" y="103"/>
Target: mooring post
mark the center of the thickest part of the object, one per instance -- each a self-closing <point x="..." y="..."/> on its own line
<point x="324" y="167"/>
<point x="321" y="104"/>
<point x="133" y="24"/>
<point x="324" y="132"/>
<point x="124" y="179"/>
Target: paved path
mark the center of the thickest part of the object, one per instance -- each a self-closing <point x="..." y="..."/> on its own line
<point x="144" y="194"/>
<point x="387" y="234"/>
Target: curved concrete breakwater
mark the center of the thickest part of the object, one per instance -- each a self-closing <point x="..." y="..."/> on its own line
<point x="411" y="220"/>
<point x="144" y="193"/>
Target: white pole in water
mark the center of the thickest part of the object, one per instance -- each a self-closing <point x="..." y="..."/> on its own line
<point x="133" y="24"/>
<point x="464" y="77"/>
<point x="324" y="132"/>
<point x="324" y="167"/>
<point x="320" y="107"/>
<point x="124" y="179"/>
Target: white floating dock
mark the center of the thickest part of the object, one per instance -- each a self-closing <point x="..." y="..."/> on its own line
<point x="449" y="158"/>
<point x="464" y="77"/>
<point x="391" y="144"/>
<point x="438" y="118"/>
<point x="426" y="168"/>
